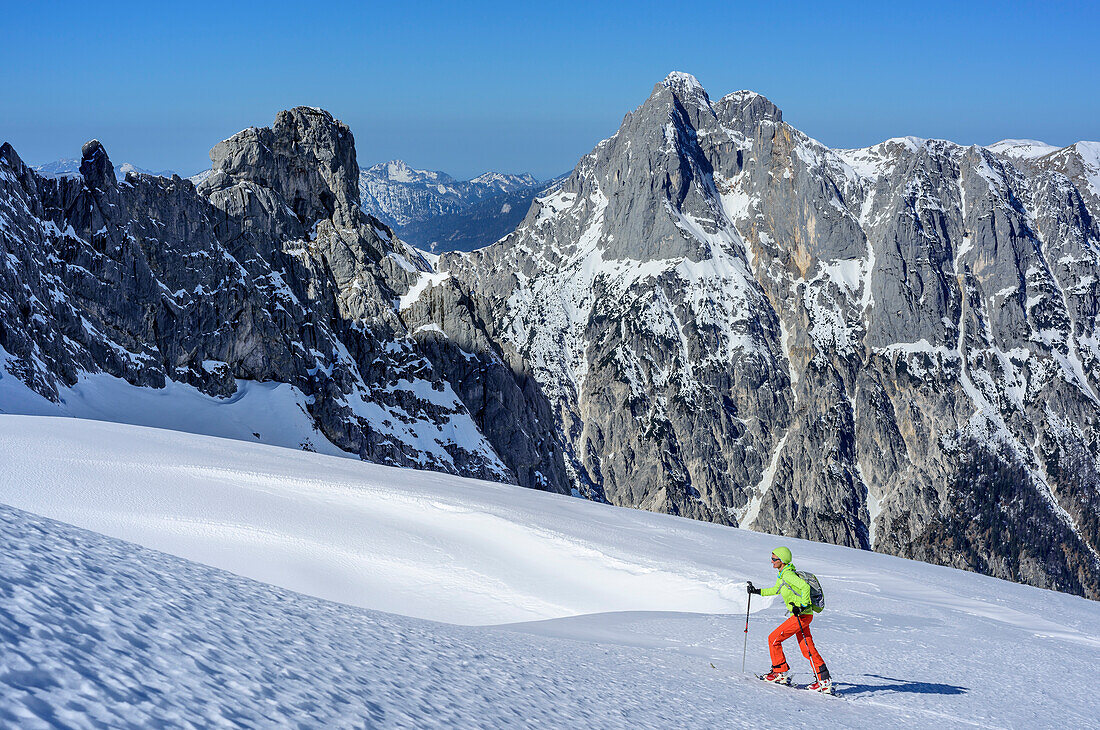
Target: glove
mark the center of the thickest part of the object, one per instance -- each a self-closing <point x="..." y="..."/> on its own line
<point x="753" y="589"/>
<point x="796" y="610"/>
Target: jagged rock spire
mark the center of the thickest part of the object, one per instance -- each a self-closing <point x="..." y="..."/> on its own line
<point x="96" y="166"/>
<point x="307" y="156"/>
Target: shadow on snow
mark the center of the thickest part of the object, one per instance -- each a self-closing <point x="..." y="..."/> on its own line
<point x="900" y="685"/>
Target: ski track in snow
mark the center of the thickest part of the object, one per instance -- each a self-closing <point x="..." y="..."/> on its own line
<point x="632" y="608"/>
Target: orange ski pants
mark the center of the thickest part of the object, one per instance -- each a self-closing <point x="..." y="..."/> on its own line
<point x="796" y="626"/>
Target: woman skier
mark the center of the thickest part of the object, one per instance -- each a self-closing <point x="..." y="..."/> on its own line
<point x="796" y="594"/>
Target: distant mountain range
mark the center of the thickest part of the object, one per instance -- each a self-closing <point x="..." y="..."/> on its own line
<point x="71" y="166"/>
<point x="398" y="194"/>
<point x="435" y="212"/>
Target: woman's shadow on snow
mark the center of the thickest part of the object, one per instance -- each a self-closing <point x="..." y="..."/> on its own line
<point x="901" y="685"/>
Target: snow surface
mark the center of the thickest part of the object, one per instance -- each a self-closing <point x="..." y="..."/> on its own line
<point x="880" y="159"/>
<point x="642" y="615"/>
<point x="686" y="84"/>
<point x="423" y="282"/>
<point x="398" y="171"/>
<point x="199" y="177"/>
<point x="1090" y="160"/>
<point x="1025" y="149"/>
<point x="270" y="412"/>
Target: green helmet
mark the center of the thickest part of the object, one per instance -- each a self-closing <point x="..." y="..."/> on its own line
<point x="783" y="554"/>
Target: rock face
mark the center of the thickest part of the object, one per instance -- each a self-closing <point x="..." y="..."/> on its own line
<point x="269" y="272"/>
<point x="434" y="211"/>
<point x="892" y="348"/>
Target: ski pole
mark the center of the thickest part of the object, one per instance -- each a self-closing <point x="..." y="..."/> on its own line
<point x="801" y="638"/>
<point x="745" y="650"/>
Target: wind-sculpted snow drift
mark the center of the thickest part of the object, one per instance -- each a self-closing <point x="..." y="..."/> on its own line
<point x="98" y="632"/>
<point x="714" y="316"/>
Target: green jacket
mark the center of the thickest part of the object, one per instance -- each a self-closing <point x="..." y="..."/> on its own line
<point x="794" y="590"/>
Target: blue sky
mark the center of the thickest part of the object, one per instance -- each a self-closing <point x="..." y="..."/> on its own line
<point x="517" y="87"/>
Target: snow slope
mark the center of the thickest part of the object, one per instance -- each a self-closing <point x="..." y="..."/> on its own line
<point x="1027" y="149"/>
<point x="625" y="611"/>
<point x="269" y="412"/>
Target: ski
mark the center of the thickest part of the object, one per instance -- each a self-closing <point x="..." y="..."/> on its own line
<point x="832" y="692"/>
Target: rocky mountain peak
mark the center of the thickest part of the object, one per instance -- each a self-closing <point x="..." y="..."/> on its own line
<point x="684" y="85"/>
<point x="656" y="169"/>
<point x="307" y="156"/>
<point x="749" y="107"/>
<point x="266" y="272"/>
<point x="9" y="157"/>
<point x="96" y="166"/>
<point x="739" y="111"/>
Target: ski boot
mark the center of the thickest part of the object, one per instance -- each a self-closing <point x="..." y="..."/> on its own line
<point x="776" y="677"/>
<point x="824" y="686"/>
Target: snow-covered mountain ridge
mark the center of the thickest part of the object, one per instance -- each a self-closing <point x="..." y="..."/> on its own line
<point x="648" y="610"/>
